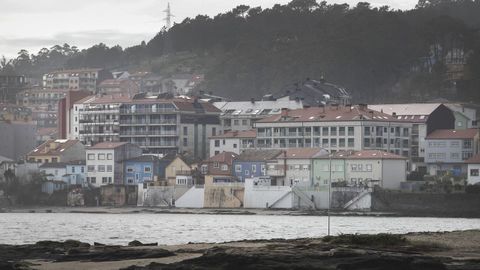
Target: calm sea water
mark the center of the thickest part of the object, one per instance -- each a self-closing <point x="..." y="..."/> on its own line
<point x="21" y="228"/>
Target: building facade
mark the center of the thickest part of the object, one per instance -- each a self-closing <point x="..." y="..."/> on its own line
<point x="473" y="170"/>
<point x="425" y="118"/>
<point x="447" y="150"/>
<point x="367" y="168"/>
<point x="54" y="151"/>
<point x="140" y="170"/>
<point x="253" y="163"/>
<point x="104" y="162"/>
<point x="335" y="128"/>
<point x="233" y="141"/>
<point x="76" y="79"/>
<point x="241" y="115"/>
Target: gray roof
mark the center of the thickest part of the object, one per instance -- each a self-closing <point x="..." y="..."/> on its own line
<point x="259" y="155"/>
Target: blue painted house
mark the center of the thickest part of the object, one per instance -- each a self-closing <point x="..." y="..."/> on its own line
<point x="141" y="169"/>
<point x="253" y="163"/>
<point x="76" y="173"/>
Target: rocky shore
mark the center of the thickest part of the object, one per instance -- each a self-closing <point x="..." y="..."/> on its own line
<point x="448" y="250"/>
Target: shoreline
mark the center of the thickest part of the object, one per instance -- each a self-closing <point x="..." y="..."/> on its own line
<point x="439" y="250"/>
<point x="216" y="211"/>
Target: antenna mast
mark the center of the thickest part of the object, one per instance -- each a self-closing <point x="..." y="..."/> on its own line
<point x="168" y="17"/>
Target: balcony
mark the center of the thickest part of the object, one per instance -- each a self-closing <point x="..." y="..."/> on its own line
<point x="147" y="111"/>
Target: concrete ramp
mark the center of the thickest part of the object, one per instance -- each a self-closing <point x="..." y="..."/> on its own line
<point x="193" y="198"/>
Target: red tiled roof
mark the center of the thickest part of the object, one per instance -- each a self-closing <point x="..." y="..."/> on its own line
<point x="453" y="134"/>
<point x="107" y="145"/>
<point x="224" y="157"/>
<point x="302" y="153"/>
<point x="46" y="149"/>
<point x="237" y="134"/>
<point x="329" y="113"/>
<point x="473" y="160"/>
<point x="364" y="154"/>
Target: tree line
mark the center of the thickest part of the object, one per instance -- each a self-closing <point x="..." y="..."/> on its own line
<point x="378" y="53"/>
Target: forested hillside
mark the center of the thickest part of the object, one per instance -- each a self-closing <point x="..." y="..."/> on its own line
<point x="379" y="54"/>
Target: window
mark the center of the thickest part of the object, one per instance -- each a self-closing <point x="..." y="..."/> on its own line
<point x="474" y="172"/>
<point x="101" y="156"/>
<point x="90" y="168"/>
<point x="215" y="165"/>
<point x="325" y="131"/>
<point x="185" y="142"/>
<point x="217" y="143"/>
<point x="91" y="157"/>
<point x="306" y="167"/>
<point x="366" y="142"/>
<point x="351" y="142"/>
<point x="54" y="160"/>
<point x="244" y="122"/>
<point x="350" y="131"/>
<point x="224" y="167"/>
<point x="368" y="167"/>
<point x="360" y="167"/>
<point x="147" y="169"/>
<point x="262" y="167"/>
<point x="129" y="169"/>
<point x="109" y="179"/>
<point x="247" y="172"/>
<point x="333" y="131"/>
<point x="467" y="144"/>
<point x="223" y="142"/>
<point x="341" y="131"/>
<point x="254" y="168"/>
<point x="455" y="144"/>
<point x="73" y="169"/>
<point x="238" y="168"/>
<point x="104" y="180"/>
<point x="341" y="142"/>
<point x="354" y="167"/>
<point x="109" y="156"/>
<point x="101" y="168"/>
<point x="459" y="124"/>
<point x="235" y="145"/>
<point x="130" y="180"/>
<point x="455" y="155"/>
<point x="109" y="168"/>
<point x="82" y="169"/>
<point x="204" y="169"/>
<point x="185" y="131"/>
<point x="216" y="153"/>
<point x="93" y="180"/>
<point x="236" y="122"/>
<point x="214" y="131"/>
<point x="366" y="131"/>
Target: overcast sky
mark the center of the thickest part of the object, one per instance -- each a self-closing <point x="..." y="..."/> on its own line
<point x="34" y="24"/>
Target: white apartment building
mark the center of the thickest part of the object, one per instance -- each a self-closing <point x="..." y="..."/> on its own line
<point x="447" y="150"/>
<point x="335" y="128"/>
<point x="425" y="118"/>
<point x="95" y="119"/>
<point x="76" y="79"/>
<point x="241" y="115"/>
<point x="232" y="141"/>
<point x="104" y="162"/>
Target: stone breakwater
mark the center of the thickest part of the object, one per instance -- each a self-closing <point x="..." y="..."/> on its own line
<point x="452" y="250"/>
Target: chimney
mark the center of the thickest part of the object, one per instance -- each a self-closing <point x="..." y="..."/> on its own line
<point x="284" y="113"/>
<point x="394" y="114"/>
<point x="252" y="100"/>
<point x="362" y="106"/>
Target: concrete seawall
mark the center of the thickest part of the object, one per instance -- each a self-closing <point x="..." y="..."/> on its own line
<point x="427" y="204"/>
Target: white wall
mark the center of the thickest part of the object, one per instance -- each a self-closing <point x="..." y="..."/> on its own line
<point x="472" y="180"/>
<point x="227" y="147"/>
<point x="296" y="172"/>
<point x="193" y="198"/>
<point x="95" y="162"/>
<point x="394" y="172"/>
<point x="266" y="196"/>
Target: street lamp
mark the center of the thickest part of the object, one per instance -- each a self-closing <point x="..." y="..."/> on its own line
<point x="329" y="191"/>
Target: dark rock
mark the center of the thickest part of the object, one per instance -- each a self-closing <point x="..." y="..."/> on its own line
<point x="136" y="243"/>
